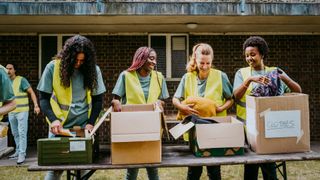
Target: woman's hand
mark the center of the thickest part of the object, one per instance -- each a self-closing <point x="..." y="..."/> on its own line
<point x="260" y="79"/>
<point x="116" y="105"/>
<point x="187" y="109"/>
<point x="89" y="127"/>
<point x="56" y="127"/>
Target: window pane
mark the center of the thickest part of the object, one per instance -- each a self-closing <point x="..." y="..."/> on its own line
<point x="179" y="55"/>
<point x="48" y="50"/>
<point x="158" y="43"/>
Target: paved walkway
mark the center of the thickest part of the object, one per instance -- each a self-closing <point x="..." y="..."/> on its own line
<point x="31" y="158"/>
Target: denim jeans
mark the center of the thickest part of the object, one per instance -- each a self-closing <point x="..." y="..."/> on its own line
<point x="132" y="173"/>
<point x="268" y="171"/>
<point x="19" y="128"/>
<point x="194" y="172"/>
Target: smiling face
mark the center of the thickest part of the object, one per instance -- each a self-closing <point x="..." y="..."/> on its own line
<point x="79" y="60"/>
<point x="254" y="58"/>
<point x="151" y="62"/>
<point x="204" y="63"/>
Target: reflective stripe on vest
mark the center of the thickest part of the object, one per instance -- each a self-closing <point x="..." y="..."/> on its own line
<point x="21" y="97"/>
<point x="241" y="104"/>
<point x="134" y="92"/>
<point x="61" y="98"/>
<point x="213" y="91"/>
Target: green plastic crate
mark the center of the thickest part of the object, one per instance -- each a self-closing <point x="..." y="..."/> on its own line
<point x="228" y="151"/>
<point x="63" y="150"/>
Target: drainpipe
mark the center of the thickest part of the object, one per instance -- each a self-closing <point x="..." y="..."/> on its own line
<point x="242" y="6"/>
<point x="100" y="6"/>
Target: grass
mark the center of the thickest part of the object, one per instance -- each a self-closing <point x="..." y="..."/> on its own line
<point x="299" y="170"/>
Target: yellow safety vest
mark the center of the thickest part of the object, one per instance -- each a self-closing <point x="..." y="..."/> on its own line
<point x="1" y="67"/>
<point x="134" y="92"/>
<point x="241" y="104"/>
<point x="213" y="91"/>
<point x="61" y="98"/>
<point x="21" y="97"/>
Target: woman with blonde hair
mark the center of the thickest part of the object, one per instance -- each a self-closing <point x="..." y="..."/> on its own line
<point x="201" y="80"/>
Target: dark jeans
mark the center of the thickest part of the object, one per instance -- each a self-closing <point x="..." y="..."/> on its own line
<point x="268" y="171"/>
<point x="132" y="173"/>
<point x="194" y="172"/>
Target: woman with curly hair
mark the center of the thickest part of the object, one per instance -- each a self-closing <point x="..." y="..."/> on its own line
<point x="71" y="89"/>
<point x="255" y="50"/>
<point x="140" y="84"/>
<point x="201" y="80"/>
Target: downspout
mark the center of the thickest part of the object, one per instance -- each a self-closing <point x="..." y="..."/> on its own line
<point x="242" y="6"/>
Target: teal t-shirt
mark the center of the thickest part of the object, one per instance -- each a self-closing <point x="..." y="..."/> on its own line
<point x="24" y="84"/>
<point x="6" y="91"/>
<point x="78" y="114"/>
<point x="120" y="88"/>
<point x="226" y="87"/>
<point x="238" y="80"/>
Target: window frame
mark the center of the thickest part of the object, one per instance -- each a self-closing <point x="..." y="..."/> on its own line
<point x="59" y="47"/>
<point x="169" y="51"/>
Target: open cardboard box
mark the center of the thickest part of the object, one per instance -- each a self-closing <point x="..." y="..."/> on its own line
<point x="136" y="135"/>
<point x="213" y="139"/>
<point x="278" y="124"/>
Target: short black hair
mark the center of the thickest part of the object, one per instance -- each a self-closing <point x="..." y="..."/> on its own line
<point x="260" y="43"/>
<point x="14" y="66"/>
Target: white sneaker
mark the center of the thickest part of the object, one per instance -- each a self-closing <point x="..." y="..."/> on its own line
<point x="14" y="155"/>
<point x="21" y="159"/>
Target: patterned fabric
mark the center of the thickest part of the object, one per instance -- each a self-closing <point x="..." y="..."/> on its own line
<point x="271" y="89"/>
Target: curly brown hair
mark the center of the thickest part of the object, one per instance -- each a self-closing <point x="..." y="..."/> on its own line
<point x="72" y="47"/>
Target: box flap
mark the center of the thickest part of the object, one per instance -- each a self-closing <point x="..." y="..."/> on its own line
<point x="137" y="107"/>
<point x="135" y="137"/>
<point x="220" y="135"/>
<point x="180" y="129"/>
<point x="99" y="122"/>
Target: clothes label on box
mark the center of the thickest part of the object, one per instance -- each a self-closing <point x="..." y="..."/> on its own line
<point x="280" y="124"/>
<point x="77" y="146"/>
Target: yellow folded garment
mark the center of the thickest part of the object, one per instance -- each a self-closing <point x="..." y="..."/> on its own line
<point x="3" y="131"/>
<point x="205" y="107"/>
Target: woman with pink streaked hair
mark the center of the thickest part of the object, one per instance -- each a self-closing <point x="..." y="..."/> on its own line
<point x="140" y="84"/>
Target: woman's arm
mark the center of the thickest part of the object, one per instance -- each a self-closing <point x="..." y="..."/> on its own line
<point x="294" y="86"/>
<point x="116" y="104"/>
<point x="225" y="106"/>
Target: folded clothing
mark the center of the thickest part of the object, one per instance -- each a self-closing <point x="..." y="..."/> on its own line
<point x="205" y="107"/>
<point x="271" y="89"/>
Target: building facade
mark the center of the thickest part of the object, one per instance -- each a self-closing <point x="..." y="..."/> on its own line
<point x="32" y="32"/>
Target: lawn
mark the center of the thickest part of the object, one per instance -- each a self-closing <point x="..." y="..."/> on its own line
<point x="299" y="170"/>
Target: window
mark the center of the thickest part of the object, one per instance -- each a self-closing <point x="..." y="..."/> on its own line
<point x="49" y="46"/>
<point x="172" y="52"/>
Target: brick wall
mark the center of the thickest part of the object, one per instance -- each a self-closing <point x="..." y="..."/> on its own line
<point x="297" y="55"/>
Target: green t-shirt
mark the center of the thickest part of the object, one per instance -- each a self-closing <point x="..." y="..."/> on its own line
<point x="226" y="87"/>
<point x="6" y="91"/>
<point x="78" y="114"/>
<point x="24" y="84"/>
<point x="120" y="88"/>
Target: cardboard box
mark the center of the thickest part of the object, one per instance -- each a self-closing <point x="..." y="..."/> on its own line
<point x="69" y="150"/>
<point x="3" y="143"/>
<point x="278" y="124"/>
<point x="217" y="139"/>
<point x="135" y="135"/>
<point x="3" y="136"/>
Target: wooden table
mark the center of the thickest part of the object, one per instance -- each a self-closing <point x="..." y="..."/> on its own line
<point x="180" y="156"/>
